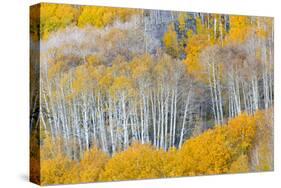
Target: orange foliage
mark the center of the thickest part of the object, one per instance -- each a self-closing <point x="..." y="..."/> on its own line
<point x="242" y="131"/>
<point x="92" y="165"/>
<point x="137" y="162"/>
<point x="208" y="153"/>
<point x="58" y="170"/>
<point x="196" y="44"/>
<point x="241" y="145"/>
<point x="227" y="148"/>
<point x="240" y="28"/>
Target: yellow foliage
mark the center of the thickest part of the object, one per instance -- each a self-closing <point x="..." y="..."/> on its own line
<point x="92" y="165"/>
<point x="241" y="145"/>
<point x="55" y="167"/>
<point x="106" y="80"/>
<point x="171" y="42"/>
<point x="242" y="131"/>
<point x="51" y="147"/>
<point x="82" y="79"/>
<point x="93" y="60"/>
<point x="140" y="66"/>
<point x="54" y="69"/>
<point x="220" y="150"/>
<point x="241" y="164"/>
<point x="196" y="44"/>
<point x="182" y="20"/>
<point x="200" y="27"/>
<point x="205" y="154"/>
<point x="171" y="166"/>
<point x="240" y="28"/>
<point x="137" y="162"/>
<point x="54" y="17"/>
<point x="103" y="16"/>
<point x="121" y="84"/>
<point x="58" y="171"/>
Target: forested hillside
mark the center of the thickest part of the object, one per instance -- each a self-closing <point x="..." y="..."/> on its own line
<point x="132" y="94"/>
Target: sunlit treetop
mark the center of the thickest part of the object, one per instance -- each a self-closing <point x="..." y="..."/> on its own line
<point x="196" y="44"/>
<point x="49" y="18"/>
<point x="170" y="41"/>
<point x="240" y="28"/>
<point x="56" y="16"/>
<point x="102" y="16"/>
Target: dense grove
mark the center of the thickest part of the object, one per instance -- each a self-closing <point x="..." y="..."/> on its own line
<point x="242" y="145"/>
<point x="132" y="94"/>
